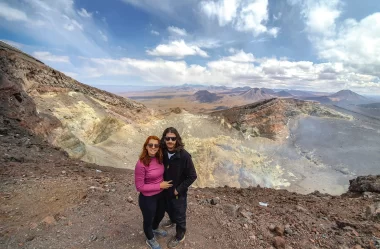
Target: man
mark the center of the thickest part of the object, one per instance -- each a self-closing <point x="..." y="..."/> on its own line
<point x="179" y="169"/>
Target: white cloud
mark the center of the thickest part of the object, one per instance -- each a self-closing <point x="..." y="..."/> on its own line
<point x="60" y="20"/>
<point x="83" y="13"/>
<point x="273" y="31"/>
<point x="354" y="43"/>
<point x="223" y="10"/>
<point x="278" y="16"/>
<point x="177" y="49"/>
<point x="357" y="44"/>
<point x="206" y="43"/>
<point x="253" y="16"/>
<point x="153" y="32"/>
<point x="71" y="74"/>
<point x="321" y="17"/>
<point x="232" y="50"/>
<point x="103" y="36"/>
<point x="12" y="14"/>
<point x="243" y="15"/>
<point x="238" y="69"/>
<point x="47" y="56"/>
<point x="71" y="24"/>
<point x="241" y="56"/>
<point x="163" y="7"/>
<point x="177" y="31"/>
<point x="92" y="72"/>
<point x="349" y="48"/>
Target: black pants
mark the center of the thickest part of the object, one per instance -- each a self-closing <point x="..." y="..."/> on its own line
<point x="153" y="210"/>
<point x="176" y="209"/>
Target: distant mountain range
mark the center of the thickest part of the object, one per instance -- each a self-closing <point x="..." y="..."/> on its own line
<point x="256" y="94"/>
<point x="204" y="96"/>
<point x="283" y="94"/>
<point x="341" y="97"/>
<point x="193" y="87"/>
<point x="241" y="89"/>
<point x="347" y="95"/>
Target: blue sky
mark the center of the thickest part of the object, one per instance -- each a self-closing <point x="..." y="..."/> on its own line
<point x="323" y="45"/>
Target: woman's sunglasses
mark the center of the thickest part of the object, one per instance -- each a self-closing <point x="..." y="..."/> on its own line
<point x="170" y="138"/>
<point x="154" y="145"/>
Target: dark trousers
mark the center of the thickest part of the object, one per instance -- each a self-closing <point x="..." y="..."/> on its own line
<point x="176" y="209"/>
<point x="153" y="210"/>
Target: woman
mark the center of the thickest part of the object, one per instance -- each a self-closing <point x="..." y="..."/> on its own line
<point x="150" y="183"/>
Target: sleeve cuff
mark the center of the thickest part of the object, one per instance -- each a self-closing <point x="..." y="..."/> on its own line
<point x="158" y="187"/>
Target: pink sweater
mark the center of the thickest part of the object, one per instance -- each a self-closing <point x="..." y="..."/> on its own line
<point x="148" y="179"/>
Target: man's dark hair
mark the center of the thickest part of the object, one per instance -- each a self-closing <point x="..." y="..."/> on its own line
<point x="179" y="145"/>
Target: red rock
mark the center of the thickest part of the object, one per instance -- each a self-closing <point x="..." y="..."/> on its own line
<point x="371" y="245"/>
<point x="279" y="242"/>
<point x="49" y="220"/>
<point x="357" y="247"/>
<point x="279" y="230"/>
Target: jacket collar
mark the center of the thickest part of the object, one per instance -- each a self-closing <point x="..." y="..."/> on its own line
<point x="176" y="155"/>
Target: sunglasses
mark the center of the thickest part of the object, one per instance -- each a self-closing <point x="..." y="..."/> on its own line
<point x="153" y="145"/>
<point x="170" y="138"/>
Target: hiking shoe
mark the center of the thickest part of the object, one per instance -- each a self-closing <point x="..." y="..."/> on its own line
<point x="153" y="244"/>
<point x="160" y="232"/>
<point x="175" y="242"/>
<point x="168" y="224"/>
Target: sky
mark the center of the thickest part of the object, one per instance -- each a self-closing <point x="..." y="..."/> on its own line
<point x="318" y="45"/>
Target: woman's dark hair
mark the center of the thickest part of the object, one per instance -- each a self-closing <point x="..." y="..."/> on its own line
<point x="179" y="145"/>
<point x="144" y="156"/>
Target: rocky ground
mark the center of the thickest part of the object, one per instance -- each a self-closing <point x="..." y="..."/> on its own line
<point x="51" y="201"/>
<point x="269" y="118"/>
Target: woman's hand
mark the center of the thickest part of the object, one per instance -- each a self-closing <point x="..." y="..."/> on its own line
<point x="165" y="185"/>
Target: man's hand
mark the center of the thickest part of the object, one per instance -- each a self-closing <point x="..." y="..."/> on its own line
<point x="175" y="192"/>
<point x="165" y="185"/>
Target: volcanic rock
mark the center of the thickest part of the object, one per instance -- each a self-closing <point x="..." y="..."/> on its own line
<point x="362" y="184"/>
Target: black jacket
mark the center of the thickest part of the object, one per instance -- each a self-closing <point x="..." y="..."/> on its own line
<point x="180" y="169"/>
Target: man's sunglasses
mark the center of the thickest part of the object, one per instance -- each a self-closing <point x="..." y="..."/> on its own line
<point x="170" y="138"/>
<point x="154" y="145"/>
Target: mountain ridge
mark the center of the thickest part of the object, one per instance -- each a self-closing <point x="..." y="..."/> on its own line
<point x="204" y="96"/>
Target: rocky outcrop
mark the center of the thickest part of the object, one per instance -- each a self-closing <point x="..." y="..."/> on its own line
<point x="269" y="118"/>
<point x="365" y="184"/>
<point x="16" y="104"/>
<point x="65" y="112"/>
<point x="35" y="77"/>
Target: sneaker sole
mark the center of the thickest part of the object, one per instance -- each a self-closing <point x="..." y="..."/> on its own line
<point x="182" y="239"/>
<point x="148" y="244"/>
<point x="178" y="242"/>
<point x="167" y="226"/>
